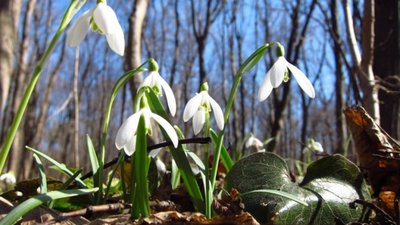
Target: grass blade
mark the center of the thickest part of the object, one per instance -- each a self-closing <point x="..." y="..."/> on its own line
<point x="60" y="166"/>
<point x="36" y="201"/>
<point x="42" y="174"/>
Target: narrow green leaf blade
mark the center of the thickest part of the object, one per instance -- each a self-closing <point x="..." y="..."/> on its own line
<point x="42" y="174"/>
<point x="58" y="165"/>
<point x="36" y="201"/>
<point x="225" y="157"/>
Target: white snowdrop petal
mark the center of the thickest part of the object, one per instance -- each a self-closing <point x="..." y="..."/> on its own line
<point x="148" y="81"/>
<point x="317" y="147"/>
<point x="191" y="107"/>
<point x="127" y="131"/>
<point x="249" y="142"/>
<point x="265" y="88"/>
<point x="116" y="41"/>
<point x="199" y="119"/>
<point x="169" y="94"/>
<point x="105" y="18"/>
<point x="302" y="80"/>
<point x="167" y="127"/>
<point x="153" y="153"/>
<point x="79" y="30"/>
<point x="218" y="114"/>
<point x="130" y="146"/>
<point x="277" y="72"/>
<point x="8" y="178"/>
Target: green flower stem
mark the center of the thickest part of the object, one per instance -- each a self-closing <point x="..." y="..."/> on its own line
<point x="117" y="87"/>
<point x="250" y="62"/>
<point x="179" y="156"/>
<point x="120" y="161"/>
<point x="72" y="9"/>
<point x="141" y="164"/>
<point x="209" y="190"/>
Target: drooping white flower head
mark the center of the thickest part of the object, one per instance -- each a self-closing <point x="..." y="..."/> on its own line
<point x="157" y="83"/>
<point x="253" y="141"/>
<point x="278" y="73"/>
<point x="197" y="108"/>
<point x="7" y="181"/>
<point x="313" y="146"/>
<point x="126" y="135"/>
<point x="253" y="144"/>
<point x="102" y="19"/>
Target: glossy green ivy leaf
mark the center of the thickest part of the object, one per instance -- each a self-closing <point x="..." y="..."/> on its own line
<point x="328" y="187"/>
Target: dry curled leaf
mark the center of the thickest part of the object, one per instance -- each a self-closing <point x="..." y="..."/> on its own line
<point x="378" y="155"/>
<point x="229" y="205"/>
<point x="174" y="217"/>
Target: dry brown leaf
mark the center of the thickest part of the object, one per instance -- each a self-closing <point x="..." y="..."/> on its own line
<point x="378" y="155"/>
<point x="192" y="218"/>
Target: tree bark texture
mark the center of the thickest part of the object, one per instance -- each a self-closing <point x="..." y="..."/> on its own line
<point x="9" y="17"/>
<point x="363" y="62"/>
<point x="339" y="86"/>
<point x="18" y="90"/>
<point x="133" y="57"/>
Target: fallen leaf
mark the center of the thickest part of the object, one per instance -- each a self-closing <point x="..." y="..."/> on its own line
<point x="378" y="155"/>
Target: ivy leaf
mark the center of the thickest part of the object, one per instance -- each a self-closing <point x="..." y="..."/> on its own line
<point x="328" y="188"/>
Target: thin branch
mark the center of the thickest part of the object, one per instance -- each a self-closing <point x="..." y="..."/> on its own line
<point x="205" y="140"/>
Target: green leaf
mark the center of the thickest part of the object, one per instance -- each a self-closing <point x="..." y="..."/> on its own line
<point x="330" y="184"/>
<point x="60" y="166"/>
<point x="94" y="162"/>
<point x="141" y="164"/>
<point x="42" y="174"/>
<point x="225" y="157"/>
<point x="175" y="175"/>
<point x="36" y="201"/>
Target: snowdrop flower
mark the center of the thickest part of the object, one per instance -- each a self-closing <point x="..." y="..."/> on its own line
<point x="279" y="72"/>
<point x="126" y="135"/>
<point x="7" y="181"/>
<point x="158" y="84"/>
<point x="253" y="141"/>
<point x="102" y="19"/>
<point x="198" y="106"/>
<point x="313" y="146"/>
<point x="253" y="144"/>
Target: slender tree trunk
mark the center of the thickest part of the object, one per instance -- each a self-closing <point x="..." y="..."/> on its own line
<point x="339" y="89"/>
<point x="363" y="62"/>
<point x="9" y="18"/>
<point x="176" y="43"/>
<point x="76" y="109"/>
<point x="201" y="31"/>
<point x="133" y="57"/>
<point x="368" y="79"/>
<point x="19" y="87"/>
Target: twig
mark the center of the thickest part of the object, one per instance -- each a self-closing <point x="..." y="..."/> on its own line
<point x="380" y="213"/>
<point x="92" y="209"/>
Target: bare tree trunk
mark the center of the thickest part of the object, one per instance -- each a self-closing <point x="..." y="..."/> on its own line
<point x="201" y="31"/>
<point x="76" y="109"/>
<point x="19" y="87"/>
<point x="9" y="18"/>
<point x="339" y="89"/>
<point x="363" y="63"/>
<point x="176" y="43"/>
<point x="133" y="57"/>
